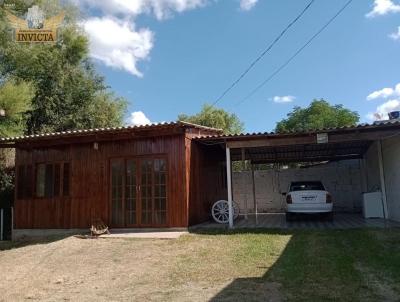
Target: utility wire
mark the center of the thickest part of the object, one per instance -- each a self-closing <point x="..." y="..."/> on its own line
<point x="295" y="54"/>
<point x="264" y="52"/>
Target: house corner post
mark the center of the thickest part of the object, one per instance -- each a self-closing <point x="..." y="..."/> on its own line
<point x="229" y="185"/>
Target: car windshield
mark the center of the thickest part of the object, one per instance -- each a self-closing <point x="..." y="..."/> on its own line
<point x="306" y="186"/>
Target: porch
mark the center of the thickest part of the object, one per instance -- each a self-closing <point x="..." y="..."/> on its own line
<point x="278" y="221"/>
<point x="348" y="161"/>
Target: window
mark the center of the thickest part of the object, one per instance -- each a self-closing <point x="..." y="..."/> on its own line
<point x="306" y="186"/>
<point x="24" y="182"/>
<point x="49" y="182"/>
<point x="40" y="178"/>
<point x="66" y="179"/>
<point x="57" y="175"/>
<point x="20" y="183"/>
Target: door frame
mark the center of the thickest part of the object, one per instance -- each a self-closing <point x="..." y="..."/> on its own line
<point x="138" y="159"/>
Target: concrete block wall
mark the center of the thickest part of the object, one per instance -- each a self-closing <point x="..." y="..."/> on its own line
<point x="372" y="168"/>
<point x="391" y="167"/>
<point x="342" y="179"/>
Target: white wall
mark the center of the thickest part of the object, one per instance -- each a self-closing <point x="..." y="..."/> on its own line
<point x="372" y="168"/>
<point x="391" y="166"/>
<point x="342" y="179"/>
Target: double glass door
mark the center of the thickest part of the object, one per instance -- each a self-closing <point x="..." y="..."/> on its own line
<point x="138" y="192"/>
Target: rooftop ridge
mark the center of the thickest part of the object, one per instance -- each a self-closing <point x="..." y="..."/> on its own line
<point x="108" y="129"/>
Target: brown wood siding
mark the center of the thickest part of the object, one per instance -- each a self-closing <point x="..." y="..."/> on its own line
<point x="207" y="179"/>
<point x="89" y="185"/>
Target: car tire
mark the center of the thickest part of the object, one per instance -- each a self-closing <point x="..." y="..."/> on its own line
<point x="289" y="216"/>
<point x="329" y="216"/>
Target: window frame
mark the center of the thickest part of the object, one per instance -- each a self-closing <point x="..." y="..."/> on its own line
<point x="60" y="191"/>
<point x="24" y="175"/>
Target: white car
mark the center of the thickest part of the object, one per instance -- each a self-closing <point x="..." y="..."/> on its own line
<point x="308" y="197"/>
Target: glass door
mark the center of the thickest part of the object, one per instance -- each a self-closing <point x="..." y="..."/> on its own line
<point x="138" y="192"/>
<point x="131" y="188"/>
<point x="153" y="191"/>
<point x="160" y="192"/>
<point x="146" y="191"/>
<point x="117" y="192"/>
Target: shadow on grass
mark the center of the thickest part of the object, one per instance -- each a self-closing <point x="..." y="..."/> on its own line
<point x="9" y="245"/>
<point x="322" y="265"/>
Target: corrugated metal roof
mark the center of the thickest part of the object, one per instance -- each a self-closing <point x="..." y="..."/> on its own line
<point x="375" y="125"/>
<point x="80" y="132"/>
<point x="218" y="132"/>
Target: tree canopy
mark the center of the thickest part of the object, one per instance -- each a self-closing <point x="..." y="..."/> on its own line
<point x="319" y="114"/>
<point x="15" y="100"/>
<point x="211" y="116"/>
<point x="67" y="92"/>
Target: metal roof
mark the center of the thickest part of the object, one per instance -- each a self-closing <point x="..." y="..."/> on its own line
<point x="303" y="146"/>
<point x="218" y="133"/>
<point x="304" y="153"/>
<point x="364" y="126"/>
<point x="81" y="132"/>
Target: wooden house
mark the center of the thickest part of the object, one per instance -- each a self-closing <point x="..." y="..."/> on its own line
<point x="129" y="177"/>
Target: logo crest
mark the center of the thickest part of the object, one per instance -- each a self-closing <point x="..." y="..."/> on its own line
<point x="35" y="17"/>
<point x="35" y="28"/>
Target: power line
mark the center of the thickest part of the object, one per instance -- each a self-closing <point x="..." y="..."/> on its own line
<point x="295" y="54"/>
<point x="264" y="52"/>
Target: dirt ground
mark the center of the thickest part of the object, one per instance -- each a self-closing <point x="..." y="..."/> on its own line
<point x="73" y="269"/>
<point x="265" y="265"/>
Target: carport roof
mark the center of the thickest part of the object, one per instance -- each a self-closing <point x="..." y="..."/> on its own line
<point x="362" y="127"/>
<point x="303" y="153"/>
<point x="308" y="146"/>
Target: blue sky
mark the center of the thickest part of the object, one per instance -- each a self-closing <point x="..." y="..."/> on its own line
<point x="169" y="57"/>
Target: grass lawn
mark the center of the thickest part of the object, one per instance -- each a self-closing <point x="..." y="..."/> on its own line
<point x="348" y="265"/>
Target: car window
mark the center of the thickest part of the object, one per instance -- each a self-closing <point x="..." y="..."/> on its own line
<point x="306" y="185"/>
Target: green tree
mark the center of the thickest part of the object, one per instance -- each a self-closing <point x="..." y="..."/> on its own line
<point x="320" y="114"/>
<point x="15" y="101"/>
<point x="50" y="87"/>
<point x="211" y="116"/>
<point x="69" y="94"/>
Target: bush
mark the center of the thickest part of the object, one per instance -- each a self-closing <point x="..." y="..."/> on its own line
<point x="6" y="187"/>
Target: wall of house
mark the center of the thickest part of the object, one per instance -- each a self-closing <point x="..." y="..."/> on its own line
<point x="391" y="164"/>
<point x="342" y="179"/>
<point x="371" y="165"/>
<point x="207" y="175"/>
<point x="391" y="167"/>
<point x="89" y="193"/>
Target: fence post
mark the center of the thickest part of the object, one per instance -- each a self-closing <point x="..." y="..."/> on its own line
<point x="1" y="224"/>
<point x="12" y="222"/>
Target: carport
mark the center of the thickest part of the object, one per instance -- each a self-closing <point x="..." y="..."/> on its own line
<point x="374" y="146"/>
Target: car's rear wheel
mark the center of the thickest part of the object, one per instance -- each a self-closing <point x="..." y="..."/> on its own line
<point x="329" y="216"/>
<point x="289" y="216"/>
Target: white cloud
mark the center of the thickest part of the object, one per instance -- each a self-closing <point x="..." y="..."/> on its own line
<point x="114" y="39"/>
<point x="385" y="93"/>
<point x="117" y="43"/>
<point x="283" y="99"/>
<point x="160" y="8"/>
<point x="139" y="118"/>
<point x="395" y="35"/>
<point x="392" y="105"/>
<point x="383" y="110"/>
<point x="383" y="7"/>
<point x="247" y="4"/>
